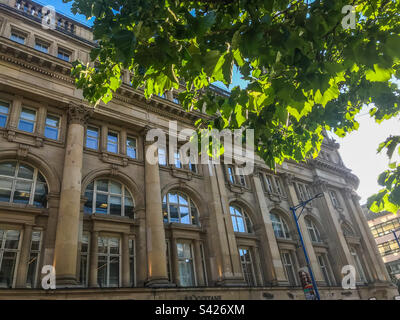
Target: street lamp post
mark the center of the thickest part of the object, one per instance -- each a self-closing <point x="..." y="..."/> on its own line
<point x="296" y="220"/>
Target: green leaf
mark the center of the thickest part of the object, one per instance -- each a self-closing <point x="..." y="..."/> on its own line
<point x="378" y="74"/>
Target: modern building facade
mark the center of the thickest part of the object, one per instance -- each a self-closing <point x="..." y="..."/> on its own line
<point x="76" y="193"/>
<point x="384" y="226"/>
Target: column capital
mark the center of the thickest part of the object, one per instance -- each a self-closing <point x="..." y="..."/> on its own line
<point x="78" y="113"/>
<point x="320" y="185"/>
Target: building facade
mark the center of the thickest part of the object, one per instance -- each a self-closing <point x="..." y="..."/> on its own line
<point x="77" y="194"/>
<point x="384" y="226"/>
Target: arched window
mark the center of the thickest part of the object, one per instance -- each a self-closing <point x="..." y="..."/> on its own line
<point x="280" y="227"/>
<point x="22" y="183"/>
<point x="179" y="208"/>
<point x="108" y="197"/>
<point x="240" y="220"/>
<point x="313" y="230"/>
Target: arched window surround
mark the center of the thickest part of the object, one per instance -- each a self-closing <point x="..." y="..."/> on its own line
<point x="280" y="226"/>
<point x="179" y="207"/>
<point x="240" y="219"/>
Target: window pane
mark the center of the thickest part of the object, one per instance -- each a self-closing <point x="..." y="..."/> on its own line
<point x="5" y="195"/>
<point x="51" y="133"/>
<point x="115" y="205"/>
<point x="129" y="207"/>
<point x="7" y="269"/>
<point x="114" y="272"/>
<point x="131" y="148"/>
<point x="112" y="142"/>
<point x="22" y="192"/>
<point x="185" y="217"/>
<point x="12" y="239"/>
<point x="182" y="200"/>
<point x="234" y="223"/>
<point x="186" y="275"/>
<point x="92" y="138"/>
<point x="172" y="198"/>
<point x="88" y="208"/>
<point x="240" y="224"/>
<point x="102" y="185"/>
<point x="25" y="172"/>
<point x="115" y="187"/>
<point x="40" y="197"/>
<point x="173" y="212"/>
<point x="26" y="126"/>
<point x="101" y="203"/>
<point x="52" y="121"/>
<point x="27" y="114"/>
<point x="102" y="271"/>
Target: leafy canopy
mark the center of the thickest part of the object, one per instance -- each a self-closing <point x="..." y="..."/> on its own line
<point x="304" y="71"/>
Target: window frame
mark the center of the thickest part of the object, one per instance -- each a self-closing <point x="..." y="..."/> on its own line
<point x="40" y="43"/>
<point x="115" y="133"/>
<point x="192" y="261"/>
<point x="247" y="223"/>
<point x="28" y="120"/>
<point x="313" y="230"/>
<point x="292" y="265"/>
<point x="124" y="192"/>
<point x="248" y="265"/>
<point x="179" y="205"/>
<point x="90" y="127"/>
<point x="284" y="227"/>
<point x="87" y="254"/>
<point x="18" y="35"/>
<point x="109" y="256"/>
<point x="38" y="253"/>
<point x="16" y="251"/>
<point x="6" y="115"/>
<point x="131" y="138"/>
<point x="64" y="52"/>
<point x="52" y="127"/>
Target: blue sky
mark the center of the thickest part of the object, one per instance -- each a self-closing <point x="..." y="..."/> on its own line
<point x="358" y="149"/>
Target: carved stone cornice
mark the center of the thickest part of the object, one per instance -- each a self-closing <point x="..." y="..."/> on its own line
<point x="288" y="178"/>
<point x="78" y="113"/>
<point x="320" y="185"/>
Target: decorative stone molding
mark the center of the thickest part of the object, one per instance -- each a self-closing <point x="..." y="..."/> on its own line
<point x="287" y="178"/>
<point x="78" y="113"/>
<point x="319" y="185"/>
<point x="22" y="151"/>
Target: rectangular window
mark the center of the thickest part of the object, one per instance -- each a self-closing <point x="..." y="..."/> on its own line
<point x="9" y="248"/>
<point x="64" y="55"/>
<point x="84" y="265"/>
<point x="41" y="46"/>
<point x="31" y="279"/>
<point x="324" y="268"/>
<point x="177" y="160"/>
<point x="268" y="183"/>
<point x="247" y="266"/>
<point x="108" y="262"/>
<point x="4" y="110"/>
<point x="278" y="185"/>
<point x="17" y="37"/>
<point x="185" y="264"/>
<point x="162" y="157"/>
<point x="242" y="177"/>
<point x="132" y="262"/>
<point x="334" y="198"/>
<point x="112" y="142"/>
<point x="231" y="174"/>
<point x="51" y="129"/>
<point x="289" y="268"/>
<point x="27" y="120"/>
<point x="192" y="167"/>
<point x="131" y="147"/>
<point x="92" y="138"/>
<point x="360" y="275"/>
<point x="301" y="192"/>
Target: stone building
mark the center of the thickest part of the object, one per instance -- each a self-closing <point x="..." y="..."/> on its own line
<point x="383" y="225"/>
<point x="77" y="194"/>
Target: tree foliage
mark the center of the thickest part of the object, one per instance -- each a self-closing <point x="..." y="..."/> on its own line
<point x="304" y="71"/>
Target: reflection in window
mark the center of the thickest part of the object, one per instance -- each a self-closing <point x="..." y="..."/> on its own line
<point x="4" y="110"/>
<point x="42" y="47"/>
<point x="112" y="142"/>
<point x="162" y="157"/>
<point x="108" y="263"/>
<point x="312" y="230"/>
<point x="27" y="120"/>
<point x="92" y="138"/>
<point x="179" y="208"/>
<point x="108" y="197"/>
<point x="52" y="127"/>
<point x="131" y="147"/>
<point x="247" y="266"/>
<point x="185" y="262"/>
<point x="240" y="220"/>
<point x="9" y="248"/>
<point x="21" y="183"/>
<point x="280" y="227"/>
<point x="16" y="37"/>
<point x="32" y="275"/>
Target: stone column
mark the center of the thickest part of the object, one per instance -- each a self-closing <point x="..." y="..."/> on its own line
<point x="367" y="239"/>
<point x="274" y="272"/>
<point x="141" y="248"/>
<point x="66" y="246"/>
<point x="337" y="245"/>
<point x="306" y="236"/>
<point x="125" y="261"/>
<point x="15" y="111"/>
<point x="155" y="233"/>
<point x="224" y="257"/>
<point x="24" y="257"/>
<point x="122" y="141"/>
<point x="198" y="263"/>
<point x="94" y="238"/>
